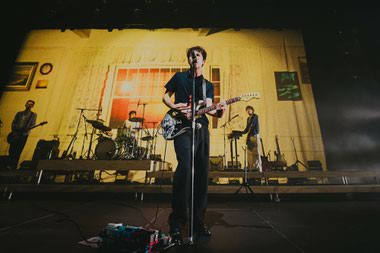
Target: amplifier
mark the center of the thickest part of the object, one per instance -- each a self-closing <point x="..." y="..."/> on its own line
<point x="315" y="165"/>
<point x="46" y="150"/>
<point x="216" y="163"/>
<point x="234" y="165"/>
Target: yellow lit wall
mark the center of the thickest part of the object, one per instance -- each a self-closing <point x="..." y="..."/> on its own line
<point x="84" y="69"/>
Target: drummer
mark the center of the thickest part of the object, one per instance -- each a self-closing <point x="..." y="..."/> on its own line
<point x="132" y="125"/>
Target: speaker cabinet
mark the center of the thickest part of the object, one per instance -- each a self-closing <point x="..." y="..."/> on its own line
<point x="46" y="150"/>
<point x="216" y="163"/>
<point x="314" y="165"/>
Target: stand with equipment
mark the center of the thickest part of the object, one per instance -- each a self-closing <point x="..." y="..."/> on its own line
<point x="68" y="152"/>
<point x="245" y="180"/>
<point x="233" y="137"/>
<point x="224" y="141"/>
<point x="295" y="165"/>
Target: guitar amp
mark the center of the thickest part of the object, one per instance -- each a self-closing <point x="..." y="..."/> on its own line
<point x="216" y="163"/>
<point x="46" y="150"/>
<point x="233" y="165"/>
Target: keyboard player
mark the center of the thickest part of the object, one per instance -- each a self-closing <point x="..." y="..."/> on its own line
<point x="252" y="131"/>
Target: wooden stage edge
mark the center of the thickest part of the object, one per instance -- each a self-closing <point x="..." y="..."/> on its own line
<point x="213" y="189"/>
<point x="151" y="168"/>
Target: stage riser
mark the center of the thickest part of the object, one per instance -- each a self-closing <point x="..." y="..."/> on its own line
<point x="214" y="189"/>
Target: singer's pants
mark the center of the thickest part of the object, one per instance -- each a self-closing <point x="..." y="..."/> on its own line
<point x="15" y="150"/>
<point x="181" y="195"/>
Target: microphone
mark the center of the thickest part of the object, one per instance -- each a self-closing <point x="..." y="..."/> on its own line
<point x="235" y="116"/>
<point x="193" y="57"/>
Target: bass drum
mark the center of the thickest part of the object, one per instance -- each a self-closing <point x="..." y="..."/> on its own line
<point x="107" y="149"/>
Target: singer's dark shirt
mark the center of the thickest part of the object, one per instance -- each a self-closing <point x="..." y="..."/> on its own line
<point x="252" y="127"/>
<point x="181" y="84"/>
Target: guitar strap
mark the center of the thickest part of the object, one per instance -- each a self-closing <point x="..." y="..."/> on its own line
<point x="204" y="90"/>
<point x="28" y="121"/>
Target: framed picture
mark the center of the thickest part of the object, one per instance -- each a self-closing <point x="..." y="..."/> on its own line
<point x="305" y="78"/>
<point x="22" y="76"/>
<point x="42" y="84"/>
<point x="287" y="86"/>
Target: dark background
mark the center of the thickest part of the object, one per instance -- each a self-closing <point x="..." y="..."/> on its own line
<point x="342" y="45"/>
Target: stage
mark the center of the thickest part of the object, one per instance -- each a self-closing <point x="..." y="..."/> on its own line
<point x="102" y="176"/>
<point x="324" y="223"/>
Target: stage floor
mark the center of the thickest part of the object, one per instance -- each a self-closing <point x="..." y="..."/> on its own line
<point x="303" y="223"/>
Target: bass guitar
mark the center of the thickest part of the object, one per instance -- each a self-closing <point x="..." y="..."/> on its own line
<point x="175" y="123"/>
<point x="265" y="164"/>
<point x="15" y="135"/>
<point x="280" y="157"/>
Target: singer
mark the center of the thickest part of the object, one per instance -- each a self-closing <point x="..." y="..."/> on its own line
<point x="181" y="85"/>
<point x="252" y="130"/>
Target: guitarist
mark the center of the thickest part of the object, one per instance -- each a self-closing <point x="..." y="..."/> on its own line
<point x="23" y="120"/>
<point x="252" y="131"/>
<point x="181" y="85"/>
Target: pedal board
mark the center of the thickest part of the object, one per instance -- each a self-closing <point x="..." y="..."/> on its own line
<point x="125" y="238"/>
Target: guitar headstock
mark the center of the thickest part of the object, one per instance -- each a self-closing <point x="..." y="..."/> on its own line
<point x="248" y="96"/>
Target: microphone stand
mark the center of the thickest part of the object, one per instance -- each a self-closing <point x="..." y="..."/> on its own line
<point x="93" y="132"/>
<point x="68" y="152"/>
<point x="224" y="140"/>
<point x="191" y="234"/>
<point x="139" y="146"/>
<point x="84" y="138"/>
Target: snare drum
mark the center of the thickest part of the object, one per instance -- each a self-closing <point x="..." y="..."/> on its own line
<point x="107" y="149"/>
<point x="124" y="133"/>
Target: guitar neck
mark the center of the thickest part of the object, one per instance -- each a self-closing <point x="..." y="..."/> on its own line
<point x="278" y="147"/>
<point x="213" y="107"/>
<point x="41" y="124"/>
<point x="262" y="146"/>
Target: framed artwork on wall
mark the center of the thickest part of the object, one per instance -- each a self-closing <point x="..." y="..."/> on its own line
<point x="22" y="76"/>
<point x="287" y="86"/>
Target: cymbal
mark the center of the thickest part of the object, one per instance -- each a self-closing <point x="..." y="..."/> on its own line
<point x="147" y="138"/>
<point x="101" y="126"/>
<point x="136" y="119"/>
<point x="91" y="121"/>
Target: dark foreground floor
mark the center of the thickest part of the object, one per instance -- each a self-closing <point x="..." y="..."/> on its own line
<point x="308" y="223"/>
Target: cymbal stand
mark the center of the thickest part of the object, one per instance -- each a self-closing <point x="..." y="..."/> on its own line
<point x="143" y="120"/>
<point x="245" y="181"/>
<point x="93" y="130"/>
<point x="84" y="138"/>
<point x="70" y="148"/>
<point x="297" y="161"/>
<point x="155" y="138"/>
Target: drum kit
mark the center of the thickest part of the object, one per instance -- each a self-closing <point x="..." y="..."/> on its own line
<point x="126" y="144"/>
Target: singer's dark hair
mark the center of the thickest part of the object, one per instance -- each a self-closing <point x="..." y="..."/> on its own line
<point x="131" y="112"/>
<point x="249" y="107"/>
<point x="200" y="49"/>
<point x="31" y="101"/>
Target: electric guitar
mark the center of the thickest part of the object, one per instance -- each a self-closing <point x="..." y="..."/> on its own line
<point x="280" y="157"/>
<point x="175" y="123"/>
<point x="15" y="135"/>
<point x="265" y="164"/>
